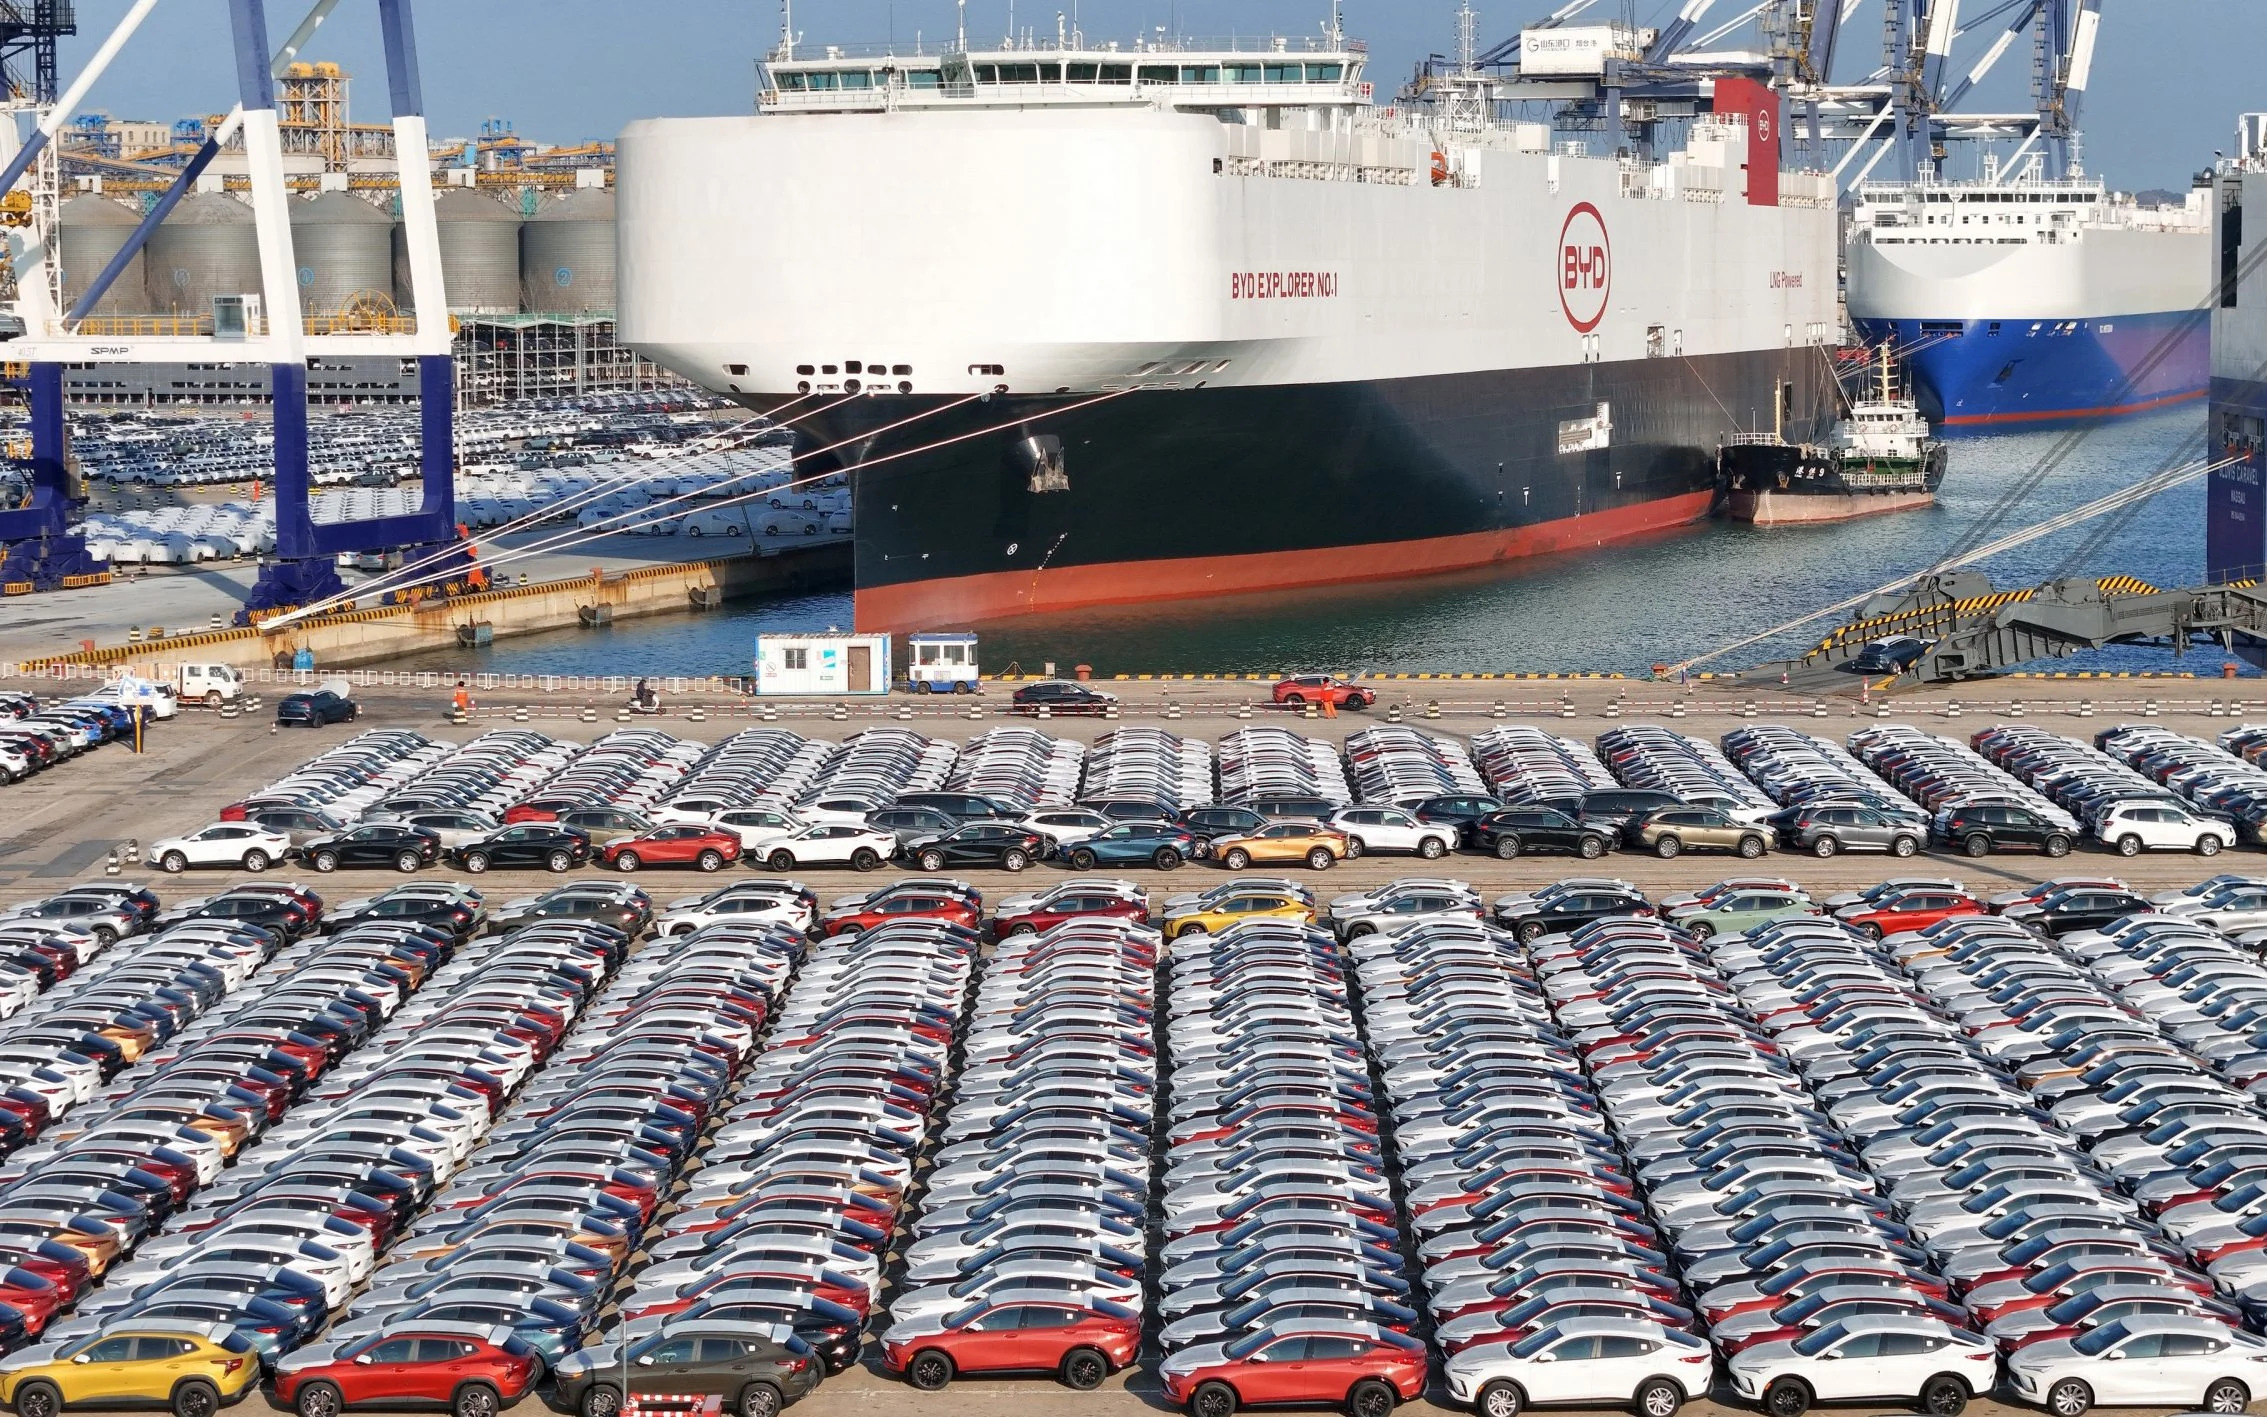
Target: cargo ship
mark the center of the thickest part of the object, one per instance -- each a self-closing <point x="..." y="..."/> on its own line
<point x="2235" y="498"/>
<point x="2027" y="301"/>
<point x="1101" y="323"/>
<point x="1882" y="458"/>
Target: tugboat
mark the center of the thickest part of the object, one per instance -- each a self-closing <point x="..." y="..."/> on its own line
<point x="1883" y="459"/>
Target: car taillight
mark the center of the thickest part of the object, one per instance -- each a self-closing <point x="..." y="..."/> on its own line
<point x="229" y="1366"/>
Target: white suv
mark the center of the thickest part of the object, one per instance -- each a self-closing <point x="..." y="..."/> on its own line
<point x="2132" y="827"/>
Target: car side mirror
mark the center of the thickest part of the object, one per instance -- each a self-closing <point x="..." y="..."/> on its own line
<point x="1546" y="1357"/>
<point x="646" y="1361"/>
<point x="362" y="1358"/>
<point x="81" y="1358"/>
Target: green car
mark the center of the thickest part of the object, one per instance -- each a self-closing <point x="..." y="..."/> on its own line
<point x="1742" y="910"/>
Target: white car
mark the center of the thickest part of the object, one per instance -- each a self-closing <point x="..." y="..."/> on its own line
<point x="254" y="848"/>
<point x="2183" y="1362"/>
<point x="739" y="910"/>
<point x="1066" y="826"/>
<point x="1866" y="1358"/>
<point x="2133" y="827"/>
<point x="755" y="826"/>
<point x="1584" y="1363"/>
<point x="1391" y="829"/>
<point x="830" y="844"/>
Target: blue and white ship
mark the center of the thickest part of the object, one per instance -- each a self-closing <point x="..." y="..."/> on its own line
<point x="2235" y="531"/>
<point x="2025" y="301"/>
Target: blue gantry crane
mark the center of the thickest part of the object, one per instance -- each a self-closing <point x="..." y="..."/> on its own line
<point x="266" y="328"/>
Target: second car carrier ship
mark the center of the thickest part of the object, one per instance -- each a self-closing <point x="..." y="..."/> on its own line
<point x="1092" y="324"/>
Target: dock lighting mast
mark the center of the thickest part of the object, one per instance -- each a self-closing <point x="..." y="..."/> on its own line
<point x="303" y="569"/>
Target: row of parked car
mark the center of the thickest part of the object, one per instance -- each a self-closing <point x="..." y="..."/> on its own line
<point x="36" y="736"/>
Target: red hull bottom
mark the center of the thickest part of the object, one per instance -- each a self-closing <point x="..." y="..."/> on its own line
<point x="927" y="605"/>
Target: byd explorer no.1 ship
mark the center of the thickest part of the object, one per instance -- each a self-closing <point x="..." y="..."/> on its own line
<point x="1095" y="324"/>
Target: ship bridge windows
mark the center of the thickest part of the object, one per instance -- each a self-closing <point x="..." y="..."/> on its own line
<point x="1241" y="73"/>
<point x="1200" y="73"/>
<point x="1325" y="73"/>
<point x="1160" y="74"/>
<point x="1286" y="74"/>
<point x="924" y="78"/>
<point x="1007" y="73"/>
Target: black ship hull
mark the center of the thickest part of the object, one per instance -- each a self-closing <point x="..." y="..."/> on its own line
<point x="1773" y="484"/>
<point x="981" y="510"/>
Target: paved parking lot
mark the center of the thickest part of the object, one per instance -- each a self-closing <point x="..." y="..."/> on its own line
<point x="61" y="827"/>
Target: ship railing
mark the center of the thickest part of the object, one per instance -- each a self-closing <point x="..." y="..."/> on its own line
<point x="1753" y="440"/>
<point x="1076" y="45"/>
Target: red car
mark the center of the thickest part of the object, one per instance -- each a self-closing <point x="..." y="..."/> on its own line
<point x="878" y="910"/>
<point x="1912" y="910"/>
<point x="1070" y="901"/>
<point x="684" y="845"/>
<point x="1039" y="1332"/>
<point x="1359" y="1367"/>
<point x="1302" y="689"/>
<point x="470" y="1370"/>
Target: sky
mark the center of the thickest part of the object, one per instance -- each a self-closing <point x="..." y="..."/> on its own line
<point x="2171" y="77"/>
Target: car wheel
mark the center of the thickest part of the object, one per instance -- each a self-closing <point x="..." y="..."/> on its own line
<point x="255" y="861"/>
<point x="1297" y="701"/>
<point x="785" y="861"/>
<point x="932" y="861"/>
<point x="1084" y="1369"/>
<point x="1752" y="847"/>
<point x="317" y="1400"/>
<point x="1786" y="1398"/>
<point x="105" y="936"/>
<point x="626" y="861"/>
<point x="1023" y="927"/>
<point x="475" y="1400"/>
<point x="865" y="858"/>
<point x="2057" y="846"/>
<point x="38" y="1399"/>
<point x="1591" y="848"/>
<point x="560" y="862"/>
<point x="710" y="860"/>
<point x="1194" y="927"/>
<point x="1903" y="846"/>
<point x="1354" y="848"/>
<point x="2227" y="1395"/>
<point x="2208" y="845"/>
<point x="476" y="861"/>
<point x="407" y="862"/>
<point x="2129" y="845"/>
<point x="2068" y="1398"/>
<point x="601" y="1400"/>
<point x="1083" y="860"/>
<point x="1498" y="1399"/>
<point x="1667" y="847"/>
<point x="1166" y="859"/>
<point x="1507" y="847"/>
<point x="1214" y="1399"/>
<point x="1700" y="930"/>
<point x="756" y="1400"/>
<point x="1530" y="932"/>
<point x="1946" y="1396"/>
<point x="173" y="862"/>
<point x="1432" y="848"/>
<point x="1322" y="858"/>
<point x="1237" y="859"/>
<point x="1361" y="930"/>
<point x="929" y="1370"/>
<point x="1658" y="1397"/>
<point x="1371" y="1398"/>
<point x="196" y="1398"/>
<point x="1825" y="846"/>
<point x="1872" y="931"/>
<point x="1977" y="844"/>
<point x="1014" y="859"/>
<point x="324" y="861"/>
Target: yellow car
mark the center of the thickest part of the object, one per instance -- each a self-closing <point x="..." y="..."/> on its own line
<point x="1209" y="916"/>
<point x="1321" y="847"/>
<point x="192" y="1370"/>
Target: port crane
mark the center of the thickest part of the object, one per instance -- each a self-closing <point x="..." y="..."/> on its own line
<point x="47" y="550"/>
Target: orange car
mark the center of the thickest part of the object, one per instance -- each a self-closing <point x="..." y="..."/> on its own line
<point x="1320" y="846"/>
<point x="1302" y="689"/>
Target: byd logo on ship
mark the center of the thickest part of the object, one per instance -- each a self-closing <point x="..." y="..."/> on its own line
<point x="1586" y="261"/>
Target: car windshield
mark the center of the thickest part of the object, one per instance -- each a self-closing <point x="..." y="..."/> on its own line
<point x="1535" y="1343"/>
<point x="2107" y="1336"/>
<point x="1250" y="1343"/>
<point x="1810" y="1345"/>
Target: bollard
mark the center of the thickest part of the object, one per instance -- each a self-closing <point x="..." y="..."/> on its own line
<point x="1747" y="710"/>
<point x="215" y="625"/>
<point x="1245" y="711"/>
<point x="2148" y="708"/>
<point x="1432" y="708"/>
<point x="1499" y="711"/>
<point x="1044" y="712"/>
<point x="769" y="715"/>
<point x="842" y="711"/>
<point x="1392" y="713"/>
<point x="1109" y="710"/>
<point x="1172" y="709"/>
<point x="519" y="715"/>
<point x="2085" y="708"/>
<point x="133" y="634"/>
<point x="1677" y="709"/>
<point x="2214" y="711"/>
<point x="1951" y="708"/>
<point x="1613" y="708"/>
<point x="2014" y="708"/>
<point x="458" y="716"/>
<point x="589" y="714"/>
<point x="110" y="867"/>
<point x="1566" y="708"/>
<point x="1310" y="711"/>
<point x="976" y="713"/>
<point x="1881" y="710"/>
<point x="1818" y="708"/>
<point x="697" y="716"/>
<point x="230" y="711"/>
<point x="905" y="713"/>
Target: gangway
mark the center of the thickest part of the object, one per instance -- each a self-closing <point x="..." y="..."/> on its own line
<point x="1974" y="630"/>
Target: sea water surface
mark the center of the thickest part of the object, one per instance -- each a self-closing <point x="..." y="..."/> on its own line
<point x="1613" y="609"/>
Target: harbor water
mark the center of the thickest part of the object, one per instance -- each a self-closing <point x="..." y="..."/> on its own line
<point x="1614" y="609"/>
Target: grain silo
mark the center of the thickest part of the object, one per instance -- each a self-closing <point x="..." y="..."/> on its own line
<point x="567" y="255"/>
<point x="344" y="248"/>
<point x="207" y="247"/>
<point x="480" y="253"/>
<point x="94" y="228"/>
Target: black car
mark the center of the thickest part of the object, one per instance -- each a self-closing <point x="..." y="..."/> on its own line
<point x="1002" y="844"/>
<point x="434" y="912"/>
<point x="1060" y="696"/>
<point x="2080" y="908"/>
<point x="832" y="1331"/>
<point x="1458" y="811"/>
<point x="1894" y="655"/>
<point x="1614" y="809"/>
<point x="1513" y="830"/>
<point x="1205" y="823"/>
<point x="1565" y="910"/>
<point x="1298" y="809"/>
<point x="316" y="709"/>
<point x="1980" y="830"/>
<point x="377" y="844"/>
<point x="529" y="844"/>
<point x="911" y="824"/>
<point x="571" y="906"/>
<point x="960" y="806"/>
<point x="284" y="918"/>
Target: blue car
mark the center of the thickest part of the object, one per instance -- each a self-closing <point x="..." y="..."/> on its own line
<point x="1159" y="844"/>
